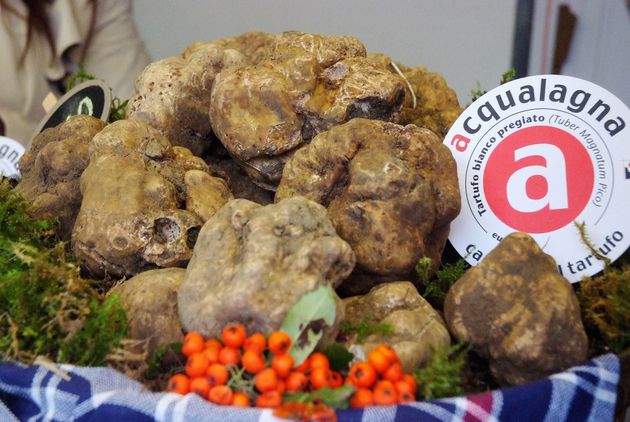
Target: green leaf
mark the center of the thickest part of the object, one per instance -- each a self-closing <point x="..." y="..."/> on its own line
<point x="338" y="356"/>
<point x="337" y="398"/>
<point x="306" y="320"/>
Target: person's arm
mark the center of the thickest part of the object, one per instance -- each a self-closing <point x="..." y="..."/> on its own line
<point x="116" y="53"/>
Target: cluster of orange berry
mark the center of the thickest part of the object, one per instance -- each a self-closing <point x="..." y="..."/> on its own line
<point x="380" y="380"/>
<point x="212" y="367"/>
<point x="242" y="370"/>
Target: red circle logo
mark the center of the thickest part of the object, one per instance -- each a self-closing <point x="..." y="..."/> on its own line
<point x="538" y="179"/>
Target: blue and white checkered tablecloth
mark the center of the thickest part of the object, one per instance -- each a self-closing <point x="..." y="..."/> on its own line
<point x="33" y="393"/>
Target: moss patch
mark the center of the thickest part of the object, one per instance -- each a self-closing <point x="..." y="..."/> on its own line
<point x="47" y="308"/>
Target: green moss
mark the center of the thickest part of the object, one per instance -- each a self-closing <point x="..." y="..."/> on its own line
<point x="605" y="305"/>
<point x="365" y="328"/>
<point x="442" y="376"/>
<point x="423" y="268"/>
<point x="581" y="227"/>
<point x="166" y="361"/>
<point x="436" y="287"/>
<point x="47" y="308"/>
<point x="624" y="259"/>
<point x="605" y="302"/>
<point x="118" y="108"/>
<point x="15" y="222"/>
<point x="105" y="324"/>
<point x="78" y="77"/>
<point x="507" y="76"/>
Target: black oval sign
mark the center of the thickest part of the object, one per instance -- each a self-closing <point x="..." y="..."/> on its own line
<point x="92" y="98"/>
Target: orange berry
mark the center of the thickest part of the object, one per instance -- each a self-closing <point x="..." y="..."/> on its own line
<point x="406" y="397"/>
<point x="336" y="380"/>
<point x="385" y="393"/>
<point x="321" y="412"/>
<point x="411" y="380"/>
<point x="319" y="360"/>
<point x="304" y="366"/>
<point x="279" y="342"/>
<point x="282" y="386"/>
<point x="221" y="394"/>
<point x="282" y="365"/>
<point x="233" y="335"/>
<point x="253" y="362"/>
<point x="217" y="374"/>
<point x="394" y="372"/>
<point x="388" y="352"/>
<point x="271" y="398"/>
<point x="193" y="343"/>
<point x="201" y="386"/>
<point x="212" y="343"/>
<point x="178" y="383"/>
<point x="379" y="361"/>
<point x="363" y="397"/>
<point x="256" y="342"/>
<point x="319" y="378"/>
<point x="292" y="410"/>
<point x="240" y="399"/>
<point x="266" y="380"/>
<point x="403" y="386"/>
<point x="212" y="353"/>
<point x="229" y="356"/>
<point x="299" y="411"/>
<point x="296" y="382"/>
<point x="362" y="374"/>
<point x="196" y="365"/>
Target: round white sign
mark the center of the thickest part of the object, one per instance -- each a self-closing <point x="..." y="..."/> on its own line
<point x="538" y="155"/>
<point x="10" y="153"/>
